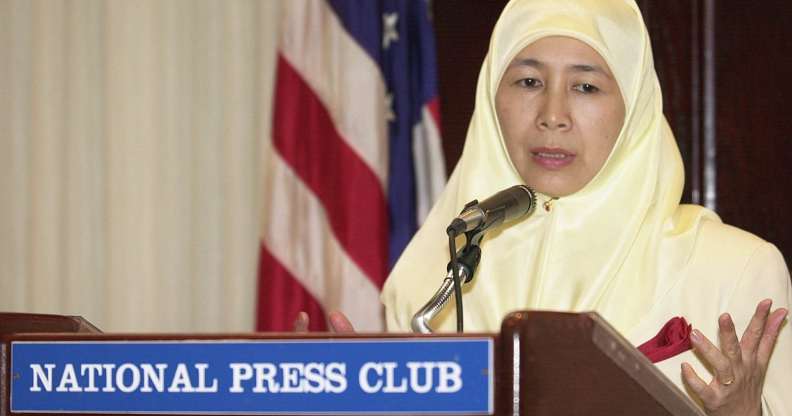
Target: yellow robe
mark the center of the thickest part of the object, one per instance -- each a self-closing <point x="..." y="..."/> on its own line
<point x="623" y="245"/>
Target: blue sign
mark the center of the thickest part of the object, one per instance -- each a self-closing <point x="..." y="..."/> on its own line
<point x="333" y="376"/>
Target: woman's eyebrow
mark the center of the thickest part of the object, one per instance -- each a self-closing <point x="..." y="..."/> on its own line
<point x="528" y="62"/>
<point x="588" y="68"/>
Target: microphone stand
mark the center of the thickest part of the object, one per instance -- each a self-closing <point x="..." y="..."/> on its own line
<point x="474" y="220"/>
<point x="467" y="259"/>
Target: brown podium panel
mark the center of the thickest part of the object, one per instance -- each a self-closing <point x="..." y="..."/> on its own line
<point x="576" y="364"/>
<point x="11" y="323"/>
<point x="544" y="363"/>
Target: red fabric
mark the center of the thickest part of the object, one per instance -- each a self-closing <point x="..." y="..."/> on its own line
<point x="434" y="109"/>
<point x="672" y="340"/>
<point x="277" y="313"/>
<point x="351" y="193"/>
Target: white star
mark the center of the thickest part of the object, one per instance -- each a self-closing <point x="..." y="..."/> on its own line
<point x="389" y="31"/>
<point x="389" y="114"/>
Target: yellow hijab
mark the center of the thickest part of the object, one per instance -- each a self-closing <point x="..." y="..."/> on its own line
<point x="615" y="246"/>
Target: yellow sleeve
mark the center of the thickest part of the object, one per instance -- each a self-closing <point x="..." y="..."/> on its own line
<point x="766" y="276"/>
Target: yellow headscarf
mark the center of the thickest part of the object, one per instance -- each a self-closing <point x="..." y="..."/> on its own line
<point x="615" y="246"/>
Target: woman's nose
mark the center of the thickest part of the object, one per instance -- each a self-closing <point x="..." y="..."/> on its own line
<point x="554" y="112"/>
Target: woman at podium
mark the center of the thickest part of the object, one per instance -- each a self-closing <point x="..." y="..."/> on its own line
<point x="568" y="103"/>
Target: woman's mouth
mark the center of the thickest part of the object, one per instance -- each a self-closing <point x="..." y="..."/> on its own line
<point x="552" y="159"/>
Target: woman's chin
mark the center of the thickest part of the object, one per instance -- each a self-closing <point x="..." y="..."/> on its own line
<point x="552" y="190"/>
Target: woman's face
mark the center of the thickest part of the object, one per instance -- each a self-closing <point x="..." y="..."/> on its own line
<point x="560" y="111"/>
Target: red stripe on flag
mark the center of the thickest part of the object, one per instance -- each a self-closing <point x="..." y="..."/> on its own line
<point x="434" y="109"/>
<point x="304" y="134"/>
<point x="281" y="297"/>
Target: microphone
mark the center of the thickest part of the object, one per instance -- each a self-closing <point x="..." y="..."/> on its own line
<point x="506" y="205"/>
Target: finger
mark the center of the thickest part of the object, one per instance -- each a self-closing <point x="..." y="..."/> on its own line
<point x="769" y="337"/>
<point x="712" y="355"/>
<point x="753" y="333"/>
<point x="730" y="345"/>
<point x="301" y="322"/>
<point x="699" y="386"/>
<point x="339" y="322"/>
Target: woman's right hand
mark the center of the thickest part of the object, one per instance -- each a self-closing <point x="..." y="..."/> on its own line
<point x="739" y="365"/>
<point x="339" y="323"/>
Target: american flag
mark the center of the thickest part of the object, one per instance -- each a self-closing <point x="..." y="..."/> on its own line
<point x="355" y="160"/>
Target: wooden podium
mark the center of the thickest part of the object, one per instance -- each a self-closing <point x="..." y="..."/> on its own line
<point x="544" y="363"/>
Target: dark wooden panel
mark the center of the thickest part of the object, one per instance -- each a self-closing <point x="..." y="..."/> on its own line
<point x="11" y="323"/>
<point x="753" y="54"/>
<point x="463" y="29"/>
<point x="563" y="355"/>
<point x="675" y="31"/>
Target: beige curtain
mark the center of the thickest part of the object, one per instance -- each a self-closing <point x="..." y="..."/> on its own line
<point x="130" y="144"/>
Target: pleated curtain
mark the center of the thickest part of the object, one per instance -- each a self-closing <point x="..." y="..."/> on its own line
<point x="130" y="159"/>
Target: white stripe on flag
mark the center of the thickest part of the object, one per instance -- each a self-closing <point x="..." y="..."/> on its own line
<point x="346" y="80"/>
<point x="429" y="164"/>
<point x="298" y="234"/>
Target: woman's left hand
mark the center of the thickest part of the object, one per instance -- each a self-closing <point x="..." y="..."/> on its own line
<point x="739" y="365"/>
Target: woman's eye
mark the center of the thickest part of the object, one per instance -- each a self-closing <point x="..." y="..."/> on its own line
<point x="528" y="82"/>
<point x="586" y="88"/>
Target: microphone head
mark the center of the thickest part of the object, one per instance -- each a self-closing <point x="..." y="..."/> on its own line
<point x="506" y="205"/>
<point x="524" y="202"/>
